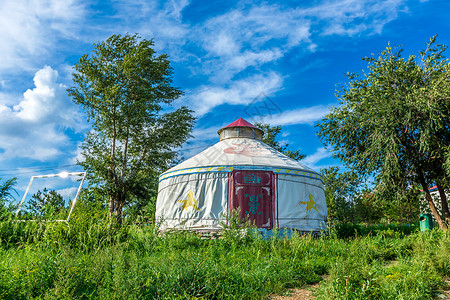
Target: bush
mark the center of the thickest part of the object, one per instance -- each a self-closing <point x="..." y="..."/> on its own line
<point x="347" y="230"/>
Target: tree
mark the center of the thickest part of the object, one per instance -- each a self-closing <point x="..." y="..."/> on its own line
<point x="6" y="194"/>
<point x="350" y="199"/>
<point x="341" y="190"/>
<point x="397" y="204"/>
<point x="124" y="87"/>
<point x="45" y="203"/>
<point x="393" y="122"/>
<point x="7" y="189"/>
<point x="270" y="138"/>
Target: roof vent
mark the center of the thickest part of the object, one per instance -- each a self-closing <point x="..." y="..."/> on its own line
<point x="240" y="129"/>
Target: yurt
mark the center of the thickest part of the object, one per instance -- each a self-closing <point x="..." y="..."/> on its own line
<point x="240" y="171"/>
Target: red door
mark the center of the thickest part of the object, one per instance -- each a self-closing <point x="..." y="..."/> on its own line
<point x="252" y="193"/>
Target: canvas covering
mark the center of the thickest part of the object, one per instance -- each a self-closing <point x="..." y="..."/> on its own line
<point x="196" y="193"/>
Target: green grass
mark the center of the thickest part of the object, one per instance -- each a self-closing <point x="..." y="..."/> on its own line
<point x="88" y="259"/>
<point x="390" y="268"/>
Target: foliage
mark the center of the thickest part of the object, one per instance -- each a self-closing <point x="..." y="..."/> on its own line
<point x="341" y="190"/>
<point x="6" y="196"/>
<point x="346" y="230"/>
<point x="401" y="206"/>
<point x="367" y="209"/>
<point x="271" y="139"/>
<point x="143" y="204"/>
<point x="124" y="88"/>
<point x="7" y="189"/>
<point x="350" y="200"/>
<point x="88" y="228"/>
<point x="393" y="122"/>
<point x="447" y="161"/>
<point x="46" y="203"/>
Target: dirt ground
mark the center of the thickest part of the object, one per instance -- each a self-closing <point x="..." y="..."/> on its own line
<point x="298" y="294"/>
<point x="446" y="293"/>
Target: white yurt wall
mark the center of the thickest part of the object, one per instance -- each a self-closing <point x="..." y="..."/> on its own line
<point x="241" y="171"/>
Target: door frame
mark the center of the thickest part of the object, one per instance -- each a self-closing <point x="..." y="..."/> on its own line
<point x="273" y="197"/>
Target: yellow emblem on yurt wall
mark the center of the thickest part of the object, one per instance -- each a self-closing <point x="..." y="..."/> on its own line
<point x="189" y="202"/>
<point x="310" y="204"/>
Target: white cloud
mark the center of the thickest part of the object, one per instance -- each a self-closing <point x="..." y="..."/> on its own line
<point x="253" y="35"/>
<point x="306" y="115"/>
<point x="247" y="58"/>
<point x="256" y="26"/>
<point x="76" y="155"/>
<point x="35" y="127"/>
<point x="222" y="44"/>
<point x="39" y="103"/>
<point x="152" y="19"/>
<point x="243" y="38"/>
<point x="241" y="92"/>
<point x="206" y="133"/>
<point x="29" y="29"/>
<point x="313" y="159"/>
<point x="248" y="39"/>
<point x="352" y="17"/>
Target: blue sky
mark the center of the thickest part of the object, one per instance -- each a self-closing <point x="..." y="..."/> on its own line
<point x="263" y="61"/>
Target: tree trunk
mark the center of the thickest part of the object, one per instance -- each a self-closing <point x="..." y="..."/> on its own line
<point x="125" y="153"/>
<point x="429" y="199"/>
<point x="119" y="207"/>
<point x="111" y="173"/>
<point x="111" y="206"/>
<point x="444" y="202"/>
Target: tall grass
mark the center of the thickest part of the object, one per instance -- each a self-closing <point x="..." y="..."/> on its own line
<point x="382" y="267"/>
<point x="89" y="258"/>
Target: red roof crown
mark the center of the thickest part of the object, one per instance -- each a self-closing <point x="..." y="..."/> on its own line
<point x="240" y="123"/>
<point x="240" y="128"/>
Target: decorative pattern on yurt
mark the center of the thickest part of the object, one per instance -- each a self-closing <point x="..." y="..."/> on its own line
<point x="240" y="171"/>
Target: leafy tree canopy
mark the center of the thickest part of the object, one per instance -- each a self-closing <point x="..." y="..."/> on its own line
<point x="341" y="188"/>
<point x="45" y="203"/>
<point x="393" y="121"/>
<point x="125" y="89"/>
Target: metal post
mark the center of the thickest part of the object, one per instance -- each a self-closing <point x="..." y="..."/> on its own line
<point x="62" y="174"/>
<point x="23" y="199"/>
<point x="76" y="196"/>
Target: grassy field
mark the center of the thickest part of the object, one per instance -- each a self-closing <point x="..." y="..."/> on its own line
<point x="90" y="260"/>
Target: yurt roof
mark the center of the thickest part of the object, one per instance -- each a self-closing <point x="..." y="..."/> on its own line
<point x="239" y="123"/>
<point x="240" y="150"/>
